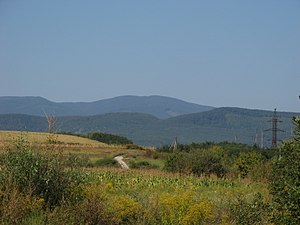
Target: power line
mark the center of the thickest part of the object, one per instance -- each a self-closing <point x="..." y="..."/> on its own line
<point x="274" y="128"/>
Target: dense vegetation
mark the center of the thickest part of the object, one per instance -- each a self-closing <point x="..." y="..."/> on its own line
<point x="204" y="183"/>
<point x="285" y="181"/>
<point x="217" y="125"/>
<point x="223" y="159"/>
<point x="104" y="138"/>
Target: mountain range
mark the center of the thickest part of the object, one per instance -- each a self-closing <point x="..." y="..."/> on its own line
<point x="158" y="106"/>
<point x="211" y="124"/>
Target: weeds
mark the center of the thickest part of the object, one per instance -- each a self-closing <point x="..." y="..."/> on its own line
<point x="48" y="188"/>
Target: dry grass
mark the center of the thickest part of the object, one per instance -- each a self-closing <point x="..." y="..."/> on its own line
<point x="68" y="144"/>
<point x="39" y="137"/>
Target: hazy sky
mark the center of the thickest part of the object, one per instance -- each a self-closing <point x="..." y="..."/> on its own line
<point x="220" y="53"/>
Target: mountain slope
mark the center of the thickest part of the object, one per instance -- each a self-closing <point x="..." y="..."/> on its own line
<point x="221" y="124"/>
<point x="158" y="106"/>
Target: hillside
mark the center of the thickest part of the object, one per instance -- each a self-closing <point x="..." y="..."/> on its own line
<point x="221" y="124"/>
<point x="158" y="106"/>
<point x="7" y="137"/>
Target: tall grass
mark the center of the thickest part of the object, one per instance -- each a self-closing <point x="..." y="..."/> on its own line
<point x="37" y="188"/>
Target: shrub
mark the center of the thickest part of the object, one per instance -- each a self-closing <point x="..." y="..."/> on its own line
<point x="40" y="175"/>
<point x="106" y="162"/>
<point x="183" y="208"/>
<point x="247" y="161"/>
<point x="206" y="163"/>
<point x="198" y="162"/>
<point x="285" y="186"/>
<point x="126" y="210"/>
<point x="250" y="212"/>
<point x="285" y="182"/>
<point x="16" y="206"/>
<point x="91" y="210"/>
<point x="141" y="165"/>
<point x="178" y="163"/>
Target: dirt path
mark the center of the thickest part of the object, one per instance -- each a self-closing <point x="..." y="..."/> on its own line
<point x="123" y="164"/>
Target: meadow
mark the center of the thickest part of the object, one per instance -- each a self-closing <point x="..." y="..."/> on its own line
<point x="62" y="179"/>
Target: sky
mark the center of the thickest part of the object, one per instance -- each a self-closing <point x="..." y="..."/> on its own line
<point x="220" y="53"/>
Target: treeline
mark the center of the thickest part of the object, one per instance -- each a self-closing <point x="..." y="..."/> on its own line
<point x="222" y="159"/>
<point x="104" y="137"/>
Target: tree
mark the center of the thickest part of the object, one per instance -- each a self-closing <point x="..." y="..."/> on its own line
<point x="51" y="120"/>
<point x="285" y="181"/>
<point x="247" y="161"/>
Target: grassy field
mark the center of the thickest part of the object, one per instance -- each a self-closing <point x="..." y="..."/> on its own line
<point x="69" y="144"/>
<point x="111" y="195"/>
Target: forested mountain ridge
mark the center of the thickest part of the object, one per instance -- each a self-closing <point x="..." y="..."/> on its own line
<point x="220" y="124"/>
<point x="158" y="106"/>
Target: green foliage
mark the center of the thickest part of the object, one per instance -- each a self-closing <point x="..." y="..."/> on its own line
<point x="247" y="161"/>
<point x="40" y="175"/>
<point x="285" y="181"/>
<point x="75" y="161"/>
<point x="109" y="138"/>
<point x="141" y="165"/>
<point x="47" y="188"/>
<point x="217" y="125"/>
<point x="296" y="121"/>
<point x="134" y="146"/>
<point x="252" y="212"/>
<point x="183" y="209"/>
<point x="201" y="162"/>
<point x="105" y="138"/>
<point x="106" y="162"/>
<point x="177" y="163"/>
<point x="91" y="210"/>
<point x="222" y="159"/>
<point x="209" y="162"/>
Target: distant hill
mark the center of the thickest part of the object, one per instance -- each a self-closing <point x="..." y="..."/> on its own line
<point x="158" y="106"/>
<point x="221" y="124"/>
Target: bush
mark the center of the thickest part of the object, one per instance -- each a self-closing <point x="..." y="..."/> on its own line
<point x="16" y="206"/>
<point x="42" y="176"/>
<point x="183" y="208"/>
<point x="250" y="212"/>
<point x="106" y="162"/>
<point x="247" y="162"/>
<point x="126" y="210"/>
<point x="285" y="182"/>
<point x="91" y="210"/>
<point x="207" y="163"/>
<point x="198" y="162"/>
<point x="141" y="165"/>
<point x="178" y="163"/>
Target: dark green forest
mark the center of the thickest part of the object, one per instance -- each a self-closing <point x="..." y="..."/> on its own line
<point x="218" y="125"/>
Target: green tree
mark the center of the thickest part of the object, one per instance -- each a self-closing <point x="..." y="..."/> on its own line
<point x="285" y="181"/>
<point x="247" y="161"/>
<point x="209" y="161"/>
<point x="198" y="162"/>
<point x="178" y="163"/>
